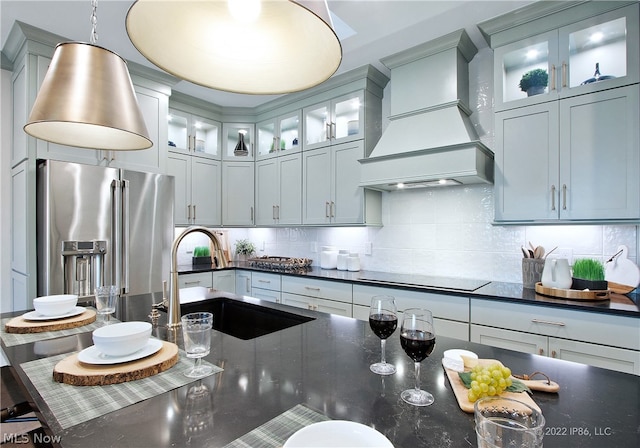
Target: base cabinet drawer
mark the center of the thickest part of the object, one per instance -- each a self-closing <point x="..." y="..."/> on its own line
<point x="443" y="327"/>
<point x="267" y="295"/>
<point x="314" y="304"/>
<point x="204" y="279"/>
<point x="510" y="340"/>
<point x="264" y="280"/>
<point x="322" y="289"/>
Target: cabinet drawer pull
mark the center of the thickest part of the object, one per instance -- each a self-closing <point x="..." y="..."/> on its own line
<point x="194" y="282"/>
<point x="548" y="322"/>
<point x="311" y="288"/>
<point x="564" y="196"/>
<point x="264" y="281"/>
<point x="553" y="197"/>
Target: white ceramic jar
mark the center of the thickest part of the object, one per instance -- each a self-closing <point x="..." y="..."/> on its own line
<point x="328" y="258"/>
<point x="343" y="255"/>
<point x="353" y="262"/>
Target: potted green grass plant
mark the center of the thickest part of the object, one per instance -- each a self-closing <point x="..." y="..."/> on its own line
<point x="534" y="81"/>
<point x="588" y="274"/>
<point x="201" y="255"/>
<point x="244" y="249"/>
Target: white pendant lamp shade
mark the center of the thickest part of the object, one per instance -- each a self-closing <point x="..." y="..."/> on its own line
<point x="87" y="100"/>
<point x="282" y="47"/>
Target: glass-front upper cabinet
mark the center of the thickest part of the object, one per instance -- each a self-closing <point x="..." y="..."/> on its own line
<point x="336" y="121"/>
<point x="594" y="54"/>
<point x="237" y="141"/>
<point x="279" y="135"/>
<point x="193" y="134"/>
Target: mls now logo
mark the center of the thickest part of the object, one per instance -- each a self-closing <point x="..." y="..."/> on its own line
<point x="24" y="438"/>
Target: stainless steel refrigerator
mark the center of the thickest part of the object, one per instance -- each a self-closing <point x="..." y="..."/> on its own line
<point x="100" y="226"/>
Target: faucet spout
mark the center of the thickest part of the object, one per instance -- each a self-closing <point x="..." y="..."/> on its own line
<point x="173" y="313"/>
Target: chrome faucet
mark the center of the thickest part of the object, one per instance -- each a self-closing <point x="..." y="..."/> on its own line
<point x="173" y="318"/>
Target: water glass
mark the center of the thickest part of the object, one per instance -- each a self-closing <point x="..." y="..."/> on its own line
<point x="196" y="332"/>
<point x="505" y="422"/>
<point x="106" y="299"/>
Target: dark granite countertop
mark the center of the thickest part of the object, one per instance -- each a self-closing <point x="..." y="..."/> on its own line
<point x="625" y="305"/>
<point x="325" y="365"/>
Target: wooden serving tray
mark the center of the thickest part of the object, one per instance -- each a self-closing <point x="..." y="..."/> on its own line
<point x="572" y="294"/>
<point x="460" y="391"/>
<point x="22" y="326"/>
<point x="71" y="371"/>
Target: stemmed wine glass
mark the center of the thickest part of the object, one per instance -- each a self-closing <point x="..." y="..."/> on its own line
<point x="383" y="319"/>
<point x="417" y="338"/>
<point x="196" y="331"/>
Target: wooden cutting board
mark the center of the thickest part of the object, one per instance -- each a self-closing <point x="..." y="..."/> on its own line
<point x="572" y="294"/>
<point x="71" y="371"/>
<point x="22" y="326"/>
<point x="460" y="391"/>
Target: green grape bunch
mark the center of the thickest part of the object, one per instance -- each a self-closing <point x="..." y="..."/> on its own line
<point x="487" y="381"/>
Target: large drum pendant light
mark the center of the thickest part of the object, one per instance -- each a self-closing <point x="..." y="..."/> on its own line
<point x="87" y="100"/>
<point x="281" y="46"/>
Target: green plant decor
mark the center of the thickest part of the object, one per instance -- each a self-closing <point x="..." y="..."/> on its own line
<point x="535" y="77"/>
<point x="245" y="247"/>
<point x="201" y="251"/>
<point x="588" y="269"/>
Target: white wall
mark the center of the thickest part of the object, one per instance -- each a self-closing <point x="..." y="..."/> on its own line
<point x="6" y="301"/>
<point x="447" y="231"/>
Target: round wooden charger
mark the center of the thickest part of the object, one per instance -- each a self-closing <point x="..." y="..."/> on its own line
<point x="71" y="371"/>
<point x="20" y="325"/>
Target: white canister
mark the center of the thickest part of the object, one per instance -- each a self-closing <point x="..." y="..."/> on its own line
<point x="343" y="255"/>
<point x="328" y="258"/>
<point x="353" y="262"/>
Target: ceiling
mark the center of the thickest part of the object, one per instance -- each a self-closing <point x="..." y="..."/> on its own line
<point x="382" y="28"/>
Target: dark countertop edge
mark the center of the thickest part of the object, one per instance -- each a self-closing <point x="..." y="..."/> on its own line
<point x="622" y="305"/>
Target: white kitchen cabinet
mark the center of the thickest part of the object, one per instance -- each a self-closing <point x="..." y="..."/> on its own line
<point x="279" y="136"/>
<point x="266" y="286"/>
<point x="279" y="190"/>
<point x="551" y="159"/>
<point x="567" y="43"/>
<point x="203" y="279"/>
<point x="231" y="136"/>
<point x="450" y="313"/>
<point x="319" y="295"/>
<point x="197" y="189"/>
<point x="331" y="192"/>
<point x="243" y="282"/>
<point x="224" y="281"/>
<point x="238" y="193"/>
<point x="608" y="341"/>
<point x="193" y="134"/>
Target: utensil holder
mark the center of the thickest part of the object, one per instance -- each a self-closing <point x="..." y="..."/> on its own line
<point x="531" y="272"/>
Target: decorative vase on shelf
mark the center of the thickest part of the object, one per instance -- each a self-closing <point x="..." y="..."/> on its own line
<point x="535" y="90"/>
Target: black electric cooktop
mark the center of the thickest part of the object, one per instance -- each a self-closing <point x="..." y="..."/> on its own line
<point x="426" y="281"/>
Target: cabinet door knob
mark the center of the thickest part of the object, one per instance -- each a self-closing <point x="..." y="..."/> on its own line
<point x="553" y="354"/>
<point x="541" y="351"/>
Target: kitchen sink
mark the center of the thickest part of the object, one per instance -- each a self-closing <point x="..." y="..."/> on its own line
<point x="244" y="320"/>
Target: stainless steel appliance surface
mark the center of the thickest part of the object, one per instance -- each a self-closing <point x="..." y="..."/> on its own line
<point x="99" y="225"/>
<point x="449" y="283"/>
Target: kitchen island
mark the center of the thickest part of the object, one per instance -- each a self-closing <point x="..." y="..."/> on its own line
<point x="324" y="364"/>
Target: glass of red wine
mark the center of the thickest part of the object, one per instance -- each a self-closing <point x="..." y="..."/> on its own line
<point x="383" y="320"/>
<point x="417" y="338"/>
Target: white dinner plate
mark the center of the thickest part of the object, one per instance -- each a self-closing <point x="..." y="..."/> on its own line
<point x="34" y="315"/>
<point x="91" y="355"/>
<point x="452" y="359"/>
<point x="337" y="434"/>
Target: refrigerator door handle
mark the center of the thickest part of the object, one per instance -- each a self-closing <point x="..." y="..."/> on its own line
<point x="116" y="232"/>
<point x="125" y="236"/>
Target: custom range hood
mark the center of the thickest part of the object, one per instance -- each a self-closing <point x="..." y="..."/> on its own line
<point x="429" y="140"/>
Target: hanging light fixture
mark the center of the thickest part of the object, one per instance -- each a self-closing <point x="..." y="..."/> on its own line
<point x="87" y="99"/>
<point x="241" y="46"/>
